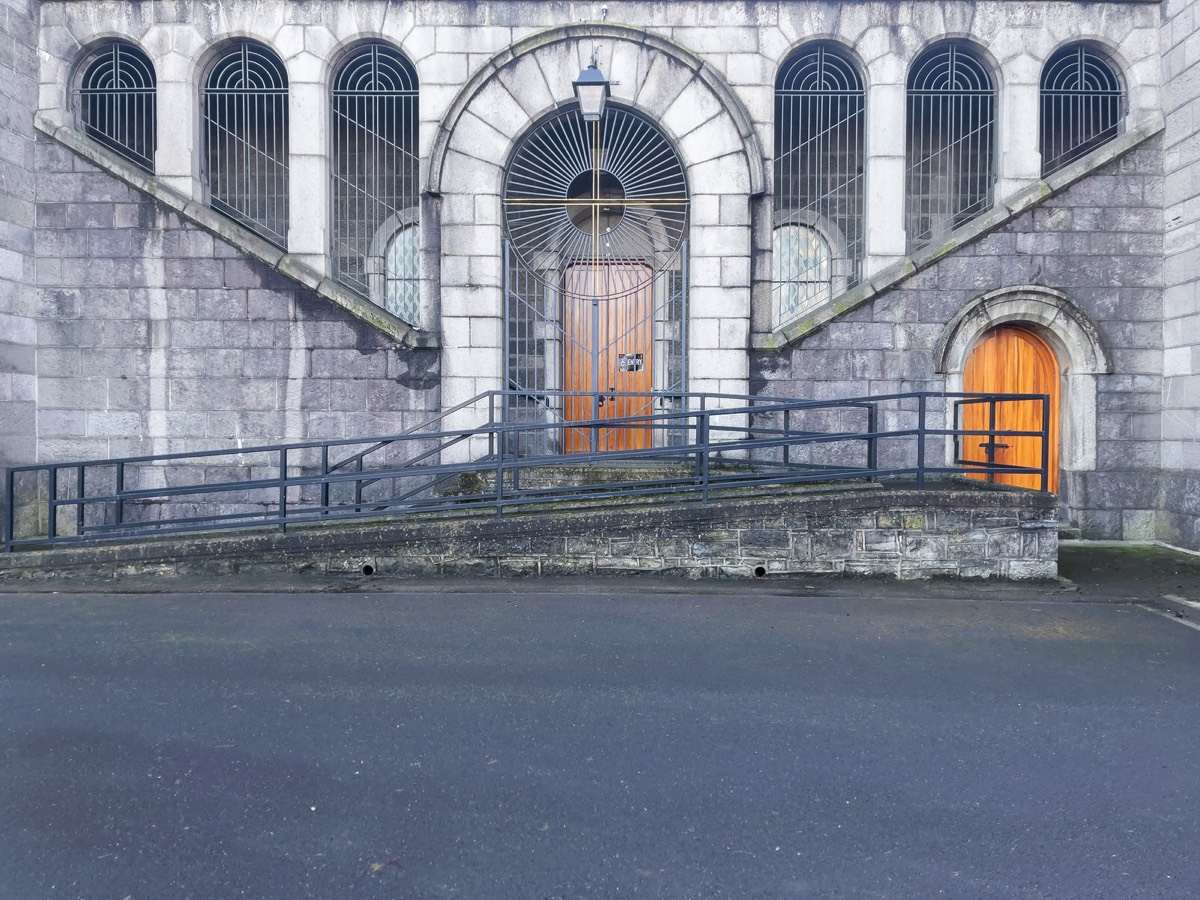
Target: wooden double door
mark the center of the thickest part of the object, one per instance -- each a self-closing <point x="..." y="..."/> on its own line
<point x="1010" y="359"/>
<point x="608" y="355"/>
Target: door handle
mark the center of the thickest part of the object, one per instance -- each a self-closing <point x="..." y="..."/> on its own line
<point x="993" y="445"/>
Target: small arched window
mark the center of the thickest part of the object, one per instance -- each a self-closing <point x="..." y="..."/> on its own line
<point x="401" y="297"/>
<point x="116" y="102"/>
<point x="818" y="175"/>
<point x="375" y="178"/>
<point x="1083" y="105"/>
<point x="951" y="142"/>
<point x="246" y="138"/>
<point x="803" y="268"/>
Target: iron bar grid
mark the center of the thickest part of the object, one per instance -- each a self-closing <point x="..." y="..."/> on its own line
<point x="594" y="275"/>
<point x="818" y="237"/>
<point x="116" y="102"/>
<point x="728" y="442"/>
<point x="374" y="228"/>
<point x="1083" y="105"/>
<point x="951" y="143"/>
<point x="246" y="139"/>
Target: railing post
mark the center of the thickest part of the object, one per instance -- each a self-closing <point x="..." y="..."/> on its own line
<point x="52" y="502"/>
<point x="873" y="440"/>
<point x="358" y="485"/>
<point x="120" y="506"/>
<point x="703" y="429"/>
<point x="325" y="479"/>
<point x="787" y="434"/>
<point x="10" y="496"/>
<point x="491" y="424"/>
<point x="1045" y="442"/>
<point x="921" y="441"/>
<point x="499" y="475"/>
<point x="79" y="491"/>
<point x="282" y="488"/>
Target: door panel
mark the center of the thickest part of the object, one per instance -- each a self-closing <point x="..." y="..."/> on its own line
<point x="608" y="330"/>
<point x="1013" y="360"/>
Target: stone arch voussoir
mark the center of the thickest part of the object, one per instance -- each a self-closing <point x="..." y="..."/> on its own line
<point x="560" y="45"/>
<point x="1070" y="331"/>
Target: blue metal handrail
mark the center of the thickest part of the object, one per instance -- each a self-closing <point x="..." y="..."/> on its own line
<point x="706" y="442"/>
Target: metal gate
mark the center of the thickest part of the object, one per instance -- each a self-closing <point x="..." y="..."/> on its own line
<point x="595" y="281"/>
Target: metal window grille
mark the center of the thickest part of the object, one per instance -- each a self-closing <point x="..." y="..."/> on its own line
<point x="115" y="101"/>
<point x="1083" y="105"/>
<point x="246" y="139"/>
<point x="375" y="171"/>
<point x="951" y="143"/>
<point x="595" y="222"/>
<point x="819" y="155"/>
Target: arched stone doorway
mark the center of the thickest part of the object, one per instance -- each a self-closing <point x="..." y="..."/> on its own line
<point x="1077" y="348"/>
<point x="689" y="102"/>
<point x="595" y="297"/>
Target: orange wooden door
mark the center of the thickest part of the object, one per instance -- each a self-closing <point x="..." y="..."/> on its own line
<point x="608" y="330"/>
<point x="1013" y="360"/>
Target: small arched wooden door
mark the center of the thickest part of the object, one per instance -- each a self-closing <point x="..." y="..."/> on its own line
<point x="1013" y="360"/>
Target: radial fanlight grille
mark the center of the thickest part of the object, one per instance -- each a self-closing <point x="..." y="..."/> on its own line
<point x="577" y="194"/>
<point x="116" y="98"/>
<point x="951" y="138"/>
<point x="820" y="154"/>
<point x="1083" y="105"/>
<point x="246" y="135"/>
<point x="375" y="170"/>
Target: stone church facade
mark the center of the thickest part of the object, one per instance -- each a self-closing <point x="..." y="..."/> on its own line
<point x="234" y="266"/>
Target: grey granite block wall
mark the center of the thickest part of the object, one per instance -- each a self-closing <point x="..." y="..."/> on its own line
<point x="156" y="337"/>
<point x="1099" y="242"/>
<point x="18" y="332"/>
<point x="1179" y="521"/>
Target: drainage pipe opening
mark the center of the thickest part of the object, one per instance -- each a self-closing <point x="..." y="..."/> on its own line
<point x="760" y="571"/>
<point x="368" y="569"/>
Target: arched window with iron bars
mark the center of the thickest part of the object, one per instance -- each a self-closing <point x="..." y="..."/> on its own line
<point x="375" y="167"/>
<point x="245" y="105"/>
<point x="817" y="231"/>
<point x="115" y="101"/>
<point x="1083" y="105"/>
<point x="951" y="142"/>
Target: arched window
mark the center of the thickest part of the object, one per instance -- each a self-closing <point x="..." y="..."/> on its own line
<point x="951" y="142"/>
<point x="802" y="265"/>
<point x="818" y="175"/>
<point x="1083" y="105"/>
<point x="246" y="138"/>
<point x="116" y="102"/>
<point x="400" y="274"/>
<point x="375" y="178"/>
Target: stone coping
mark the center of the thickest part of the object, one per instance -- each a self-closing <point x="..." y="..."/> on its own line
<point x="997" y="217"/>
<point x="236" y="235"/>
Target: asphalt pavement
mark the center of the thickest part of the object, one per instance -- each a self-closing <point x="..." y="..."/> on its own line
<point x="529" y="739"/>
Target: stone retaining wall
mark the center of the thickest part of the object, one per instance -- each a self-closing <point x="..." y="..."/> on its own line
<point x="954" y="532"/>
